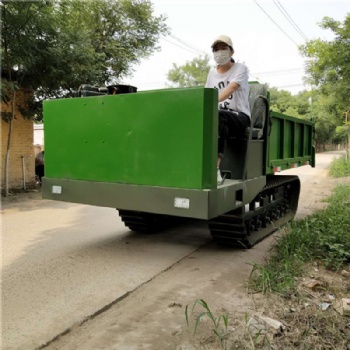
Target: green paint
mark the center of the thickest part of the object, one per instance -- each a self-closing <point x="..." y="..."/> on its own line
<point x="158" y="138"/>
<point x="290" y="142"/>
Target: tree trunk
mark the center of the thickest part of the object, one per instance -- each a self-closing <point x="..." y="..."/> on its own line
<point x="7" y="158"/>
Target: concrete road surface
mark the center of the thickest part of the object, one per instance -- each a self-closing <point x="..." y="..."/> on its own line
<point x="65" y="262"/>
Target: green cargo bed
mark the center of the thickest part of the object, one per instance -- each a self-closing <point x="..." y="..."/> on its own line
<point x="159" y="138"/>
<point x="290" y="143"/>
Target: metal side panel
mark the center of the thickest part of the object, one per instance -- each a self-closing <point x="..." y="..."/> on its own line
<point x="290" y="143"/>
<point x="200" y="204"/>
<point x="165" y="138"/>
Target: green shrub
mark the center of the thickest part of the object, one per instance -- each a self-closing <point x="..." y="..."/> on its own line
<point x="340" y="167"/>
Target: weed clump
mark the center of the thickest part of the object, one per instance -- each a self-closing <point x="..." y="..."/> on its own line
<point x="299" y="278"/>
<point x="340" y="167"/>
<point x="323" y="237"/>
<point x="219" y="331"/>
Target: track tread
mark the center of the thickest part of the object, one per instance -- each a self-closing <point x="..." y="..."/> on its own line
<point x="237" y="228"/>
<point x="143" y="222"/>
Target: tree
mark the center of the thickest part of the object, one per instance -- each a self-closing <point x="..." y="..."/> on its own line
<point x="283" y="101"/>
<point x="192" y="73"/>
<point x="51" y="47"/>
<point x="54" y="46"/>
<point x="328" y="70"/>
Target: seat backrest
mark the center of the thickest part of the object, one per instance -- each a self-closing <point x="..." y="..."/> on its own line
<point x="257" y="101"/>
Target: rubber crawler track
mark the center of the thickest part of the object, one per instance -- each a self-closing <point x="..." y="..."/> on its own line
<point x="142" y="222"/>
<point x="275" y="205"/>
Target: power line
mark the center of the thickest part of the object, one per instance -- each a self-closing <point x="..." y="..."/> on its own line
<point x="188" y="47"/>
<point x="289" y="18"/>
<point x="184" y="48"/>
<point x="276" y="24"/>
<point x="281" y="72"/>
<point x="187" y="44"/>
<point x="293" y="85"/>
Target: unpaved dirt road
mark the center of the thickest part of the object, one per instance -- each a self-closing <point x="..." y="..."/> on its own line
<point x="73" y="277"/>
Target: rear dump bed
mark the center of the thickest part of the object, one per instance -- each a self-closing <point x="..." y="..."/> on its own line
<point x="290" y="143"/>
<point x="156" y="152"/>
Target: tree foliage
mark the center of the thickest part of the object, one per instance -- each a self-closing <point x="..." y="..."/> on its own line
<point x="51" y="47"/>
<point x="329" y="61"/>
<point x="192" y="73"/>
<point x="283" y="101"/>
<point x="328" y="70"/>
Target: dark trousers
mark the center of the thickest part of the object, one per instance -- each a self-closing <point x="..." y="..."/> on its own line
<point x="39" y="171"/>
<point x="231" y="124"/>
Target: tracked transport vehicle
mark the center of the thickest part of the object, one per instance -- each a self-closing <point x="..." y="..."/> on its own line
<point x="152" y="155"/>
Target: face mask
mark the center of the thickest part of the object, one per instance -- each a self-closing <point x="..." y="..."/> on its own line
<point x="222" y="57"/>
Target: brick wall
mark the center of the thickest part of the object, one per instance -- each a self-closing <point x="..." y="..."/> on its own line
<point x="21" y="145"/>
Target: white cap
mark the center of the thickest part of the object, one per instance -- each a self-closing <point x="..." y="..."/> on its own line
<point x="222" y="39"/>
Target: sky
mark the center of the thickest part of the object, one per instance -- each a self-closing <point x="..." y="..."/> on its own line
<point x="263" y="37"/>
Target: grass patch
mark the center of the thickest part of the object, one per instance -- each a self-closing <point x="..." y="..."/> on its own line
<point x="219" y="331"/>
<point x="339" y="167"/>
<point x="323" y="237"/>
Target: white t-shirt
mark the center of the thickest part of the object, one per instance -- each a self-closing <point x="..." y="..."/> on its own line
<point x="238" y="73"/>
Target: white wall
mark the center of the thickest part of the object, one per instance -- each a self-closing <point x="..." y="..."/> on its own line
<point x="38" y="134"/>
